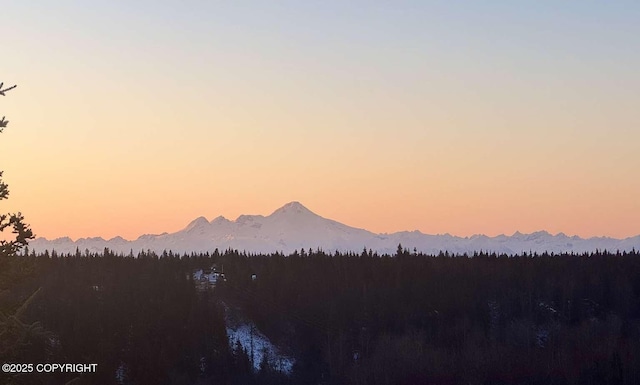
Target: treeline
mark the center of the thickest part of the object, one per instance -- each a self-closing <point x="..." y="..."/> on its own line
<point x="346" y="318"/>
<point x="141" y="320"/>
<point x="411" y="318"/>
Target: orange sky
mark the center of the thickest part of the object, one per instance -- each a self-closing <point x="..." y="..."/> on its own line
<point x="382" y="117"/>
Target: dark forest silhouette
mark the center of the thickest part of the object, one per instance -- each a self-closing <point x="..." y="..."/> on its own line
<point x="357" y="318"/>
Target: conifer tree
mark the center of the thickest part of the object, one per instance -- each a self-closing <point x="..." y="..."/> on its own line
<point x="15" y="221"/>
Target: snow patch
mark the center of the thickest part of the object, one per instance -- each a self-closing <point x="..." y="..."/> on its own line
<point x="257" y="345"/>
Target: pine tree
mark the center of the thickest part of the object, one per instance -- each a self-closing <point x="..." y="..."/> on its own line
<point x="22" y="231"/>
<point x="15" y="335"/>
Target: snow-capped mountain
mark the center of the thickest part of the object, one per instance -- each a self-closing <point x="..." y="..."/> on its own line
<point x="293" y="226"/>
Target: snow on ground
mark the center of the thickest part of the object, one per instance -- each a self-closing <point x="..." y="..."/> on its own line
<point x="253" y="341"/>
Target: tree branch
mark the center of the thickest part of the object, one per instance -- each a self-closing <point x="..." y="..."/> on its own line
<point x="6" y="89"/>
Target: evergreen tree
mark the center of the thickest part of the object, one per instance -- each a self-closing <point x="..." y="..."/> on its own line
<point x="21" y="230"/>
<point x="399" y="252"/>
<point x="17" y="338"/>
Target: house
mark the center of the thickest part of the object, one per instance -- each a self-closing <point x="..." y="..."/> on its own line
<point x="208" y="278"/>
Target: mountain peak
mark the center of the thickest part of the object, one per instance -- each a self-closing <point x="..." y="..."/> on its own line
<point x="243" y="219"/>
<point x="294" y="207"/>
<point x="219" y="219"/>
<point x="198" y="222"/>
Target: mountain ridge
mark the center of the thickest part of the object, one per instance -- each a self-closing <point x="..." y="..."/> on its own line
<point x="293" y="226"/>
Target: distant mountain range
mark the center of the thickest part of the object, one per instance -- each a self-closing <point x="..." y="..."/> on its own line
<point x="293" y="226"/>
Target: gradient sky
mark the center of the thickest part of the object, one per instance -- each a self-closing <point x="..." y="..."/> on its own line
<point x="453" y="116"/>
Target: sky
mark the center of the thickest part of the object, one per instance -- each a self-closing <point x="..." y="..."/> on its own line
<point x="458" y="117"/>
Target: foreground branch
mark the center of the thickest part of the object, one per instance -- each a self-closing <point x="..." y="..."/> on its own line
<point x="6" y="89"/>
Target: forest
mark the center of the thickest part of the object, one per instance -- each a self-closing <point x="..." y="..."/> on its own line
<point x="354" y="318"/>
